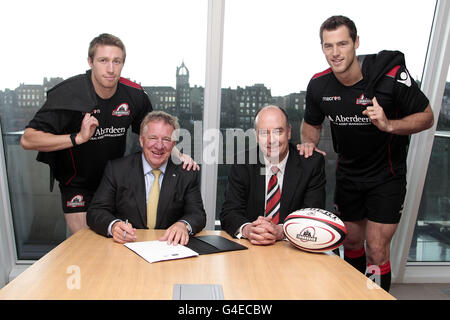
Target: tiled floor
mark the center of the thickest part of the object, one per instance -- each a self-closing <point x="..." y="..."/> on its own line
<point x="421" y="291"/>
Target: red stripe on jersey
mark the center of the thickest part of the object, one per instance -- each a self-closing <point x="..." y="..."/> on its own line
<point x="130" y="83"/>
<point x="393" y="71"/>
<point x="389" y="156"/>
<point x="389" y="149"/>
<point x="318" y="75"/>
<point x="73" y="166"/>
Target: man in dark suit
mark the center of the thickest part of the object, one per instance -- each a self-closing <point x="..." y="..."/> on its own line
<point x="259" y="196"/>
<point x="147" y="190"/>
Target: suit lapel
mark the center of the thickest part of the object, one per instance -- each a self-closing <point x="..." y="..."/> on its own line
<point x="260" y="174"/>
<point x="167" y="189"/>
<point x="137" y="180"/>
<point x="292" y="176"/>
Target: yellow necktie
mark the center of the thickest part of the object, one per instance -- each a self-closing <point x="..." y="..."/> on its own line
<point x="152" y="203"/>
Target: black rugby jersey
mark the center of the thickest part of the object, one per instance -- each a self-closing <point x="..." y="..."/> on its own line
<point x="82" y="166"/>
<point x="365" y="153"/>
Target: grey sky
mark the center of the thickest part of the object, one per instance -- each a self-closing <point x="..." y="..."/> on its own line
<point x="274" y="42"/>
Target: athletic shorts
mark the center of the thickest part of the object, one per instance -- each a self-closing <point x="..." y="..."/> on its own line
<point x="75" y="199"/>
<point x="377" y="201"/>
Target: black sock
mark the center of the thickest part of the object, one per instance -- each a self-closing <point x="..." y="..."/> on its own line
<point x="357" y="258"/>
<point x="381" y="275"/>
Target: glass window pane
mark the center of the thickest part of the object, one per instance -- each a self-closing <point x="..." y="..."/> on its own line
<point x="272" y="49"/>
<point x="431" y="239"/>
<point x="165" y="43"/>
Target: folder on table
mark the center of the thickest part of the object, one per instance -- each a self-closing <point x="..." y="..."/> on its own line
<point x="213" y="244"/>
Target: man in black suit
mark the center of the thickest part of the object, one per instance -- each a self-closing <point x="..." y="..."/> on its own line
<point x="147" y="190"/>
<point x="259" y="196"/>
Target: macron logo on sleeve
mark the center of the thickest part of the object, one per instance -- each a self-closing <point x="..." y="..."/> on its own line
<point x="405" y="78"/>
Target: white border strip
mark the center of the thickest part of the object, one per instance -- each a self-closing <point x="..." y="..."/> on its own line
<point x="8" y="245"/>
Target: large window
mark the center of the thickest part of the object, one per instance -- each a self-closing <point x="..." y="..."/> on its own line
<point x="431" y="239"/>
<point x="272" y="49"/>
<point x="46" y="42"/>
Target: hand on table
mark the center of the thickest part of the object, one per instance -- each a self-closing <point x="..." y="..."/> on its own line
<point x="176" y="234"/>
<point x="263" y="231"/>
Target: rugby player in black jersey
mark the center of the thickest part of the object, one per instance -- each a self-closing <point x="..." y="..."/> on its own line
<point x="83" y="124"/>
<point x="370" y="123"/>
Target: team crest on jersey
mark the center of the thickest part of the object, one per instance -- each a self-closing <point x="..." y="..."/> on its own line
<point x="76" y="201"/>
<point x="122" y="110"/>
<point x="363" y="100"/>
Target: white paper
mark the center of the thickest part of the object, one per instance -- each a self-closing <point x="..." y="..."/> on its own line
<point x="154" y="251"/>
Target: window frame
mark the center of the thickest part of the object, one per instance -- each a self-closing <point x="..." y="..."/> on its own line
<point x="433" y="85"/>
<point x="434" y="79"/>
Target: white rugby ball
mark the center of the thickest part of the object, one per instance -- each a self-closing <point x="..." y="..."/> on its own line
<point x="314" y="230"/>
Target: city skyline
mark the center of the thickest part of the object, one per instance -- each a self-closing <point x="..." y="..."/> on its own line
<point x="34" y="94"/>
<point x="185" y="101"/>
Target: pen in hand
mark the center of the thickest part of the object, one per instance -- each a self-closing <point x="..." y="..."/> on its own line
<point x="125" y="232"/>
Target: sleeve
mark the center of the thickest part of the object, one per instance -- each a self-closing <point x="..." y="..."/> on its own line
<point x="100" y="212"/>
<point x="315" y="192"/>
<point x="232" y="215"/>
<point x="194" y="212"/>
<point x="144" y="108"/>
<point x="313" y="114"/>
<point x="56" y="121"/>
<point x="409" y="98"/>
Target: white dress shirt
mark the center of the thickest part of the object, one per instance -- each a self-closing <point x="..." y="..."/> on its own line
<point x="268" y="172"/>
<point x="149" y="178"/>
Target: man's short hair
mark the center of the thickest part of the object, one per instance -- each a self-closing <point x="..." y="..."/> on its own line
<point x="272" y="106"/>
<point x="158" y="116"/>
<point x="105" y="39"/>
<point x="334" y="22"/>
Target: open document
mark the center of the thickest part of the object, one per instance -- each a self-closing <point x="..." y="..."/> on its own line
<point x="154" y="251"/>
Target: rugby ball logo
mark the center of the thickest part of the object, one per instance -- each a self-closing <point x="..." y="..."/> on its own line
<point x="307" y="234"/>
<point x="314" y="230"/>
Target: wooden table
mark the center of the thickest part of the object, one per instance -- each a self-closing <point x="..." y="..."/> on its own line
<point x="90" y="266"/>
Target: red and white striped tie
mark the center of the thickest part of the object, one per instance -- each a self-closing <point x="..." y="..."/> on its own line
<point x="273" y="197"/>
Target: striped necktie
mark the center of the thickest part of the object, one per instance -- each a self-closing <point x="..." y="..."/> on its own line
<point x="273" y="197"/>
<point x="152" y="202"/>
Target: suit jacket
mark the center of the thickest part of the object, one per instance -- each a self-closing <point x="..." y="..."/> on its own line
<point x="303" y="187"/>
<point x="121" y="195"/>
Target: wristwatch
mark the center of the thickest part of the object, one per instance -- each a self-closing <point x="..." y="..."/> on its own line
<point x="72" y="138"/>
<point x="188" y="227"/>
